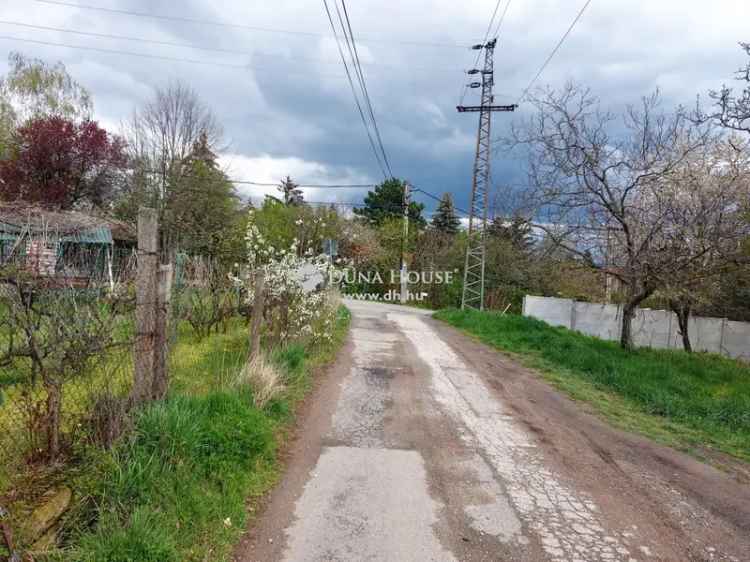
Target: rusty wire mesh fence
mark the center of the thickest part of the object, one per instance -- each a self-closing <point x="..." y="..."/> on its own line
<point x="67" y="346"/>
<point x="66" y="332"/>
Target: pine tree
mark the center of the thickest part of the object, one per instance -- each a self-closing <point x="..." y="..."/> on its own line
<point x="201" y="152"/>
<point x="387" y="202"/>
<point x="445" y="220"/>
<point x="517" y="232"/>
<point x="291" y="192"/>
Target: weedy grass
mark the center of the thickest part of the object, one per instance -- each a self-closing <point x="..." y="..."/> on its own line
<point x="696" y="402"/>
<point x="177" y="488"/>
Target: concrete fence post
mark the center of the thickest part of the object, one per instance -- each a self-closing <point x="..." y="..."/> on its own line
<point x="146" y="297"/>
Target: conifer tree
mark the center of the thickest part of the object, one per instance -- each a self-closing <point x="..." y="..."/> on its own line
<point x="445" y="220"/>
<point x="291" y="192"/>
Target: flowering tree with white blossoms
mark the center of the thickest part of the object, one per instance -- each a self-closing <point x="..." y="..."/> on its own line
<point x="299" y="302"/>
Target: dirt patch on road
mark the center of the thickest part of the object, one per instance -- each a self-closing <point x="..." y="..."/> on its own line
<point x="694" y="507"/>
<point x="313" y="417"/>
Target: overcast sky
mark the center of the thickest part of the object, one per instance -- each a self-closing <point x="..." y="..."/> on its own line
<point x="286" y="105"/>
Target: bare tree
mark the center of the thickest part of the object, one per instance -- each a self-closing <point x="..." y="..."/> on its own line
<point x="165" y="130"/>
<point x="596" y="185"/>
<point x="734" y="110"/>
<point x="161" y="137"/>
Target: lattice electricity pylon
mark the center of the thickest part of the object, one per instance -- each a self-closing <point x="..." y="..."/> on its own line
<point x="473" y="291"/>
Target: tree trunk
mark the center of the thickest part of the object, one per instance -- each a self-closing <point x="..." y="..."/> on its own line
<point x="628" y="313"/>
<point x="258" y="313"/>
<point x="682" y="310"/>
<point x="626" y="335"/>
<point x="54" y="407"/>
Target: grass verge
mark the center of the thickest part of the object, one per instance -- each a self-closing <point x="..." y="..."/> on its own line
<point x="179" y="486"/>
<point x="695" y="402"/>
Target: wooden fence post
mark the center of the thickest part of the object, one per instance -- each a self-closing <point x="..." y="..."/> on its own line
<point x="146" y="299"/>
<point x="160" y="383"/>
<point x="257" y="318"/>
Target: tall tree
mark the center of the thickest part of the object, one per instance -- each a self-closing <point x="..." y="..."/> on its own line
<point x="163" y="132"/>
<point x="387" y="201"/>
<point x="517" y="232"/>
<point x="162" y="139"/>
<point x="598" y="186"/>
<point x="59" y="163"/>
<point x="33" y="88"/>
<point x="202" y="208"/>
<point x="704" y="200"/>
<point x="445" y="220"/>
<point x="291" y="192"/>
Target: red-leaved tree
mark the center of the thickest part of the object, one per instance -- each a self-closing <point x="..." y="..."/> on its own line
<point x="62" y="164"/>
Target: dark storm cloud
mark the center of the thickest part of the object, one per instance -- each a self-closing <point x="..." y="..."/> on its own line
<point x="291" y="108"/>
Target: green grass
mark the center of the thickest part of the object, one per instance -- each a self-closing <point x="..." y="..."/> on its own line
<point x="695" y="402"/>
<point x="183" y="477"/>
<point x="177" y="488"/>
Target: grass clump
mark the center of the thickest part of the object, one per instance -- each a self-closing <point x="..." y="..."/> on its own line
<point x="262" y="379"/>
<point x="683" y="399"/>
<point x="176" y="488"/>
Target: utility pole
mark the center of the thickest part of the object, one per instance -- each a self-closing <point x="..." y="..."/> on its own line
<point x="473" y="292"/>
<point x="405" y="247"/>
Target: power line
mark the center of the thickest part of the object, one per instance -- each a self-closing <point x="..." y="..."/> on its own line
<point x="255" y="183"/>
<point x="302" y="185"/>
<point x="268" y="184"/>
<point x="354" y="91"/>
<point x="554" y="51"/>
<point x="436" y="198"/>
<point x="216" y="23"/>
<point x="186" y="45"/>
<point x="130" y="53"/>
<point x="502" y="19"/>
<point x="362" y="82"/>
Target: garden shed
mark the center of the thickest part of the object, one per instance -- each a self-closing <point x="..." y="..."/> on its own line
<point x="73" y="246"/>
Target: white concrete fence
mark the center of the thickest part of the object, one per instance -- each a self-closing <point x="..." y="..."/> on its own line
<point x="651" y="328"/>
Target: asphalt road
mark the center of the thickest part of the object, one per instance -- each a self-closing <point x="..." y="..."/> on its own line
<point x="420" y="444"/>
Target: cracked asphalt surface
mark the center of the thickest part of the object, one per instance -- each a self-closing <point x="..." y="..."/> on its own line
<point x="421" y="444"/>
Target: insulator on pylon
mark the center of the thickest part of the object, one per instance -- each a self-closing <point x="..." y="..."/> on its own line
<point x="477" y="47"/>
<point x="475" y="85"/>
<point x="472" y="71"/>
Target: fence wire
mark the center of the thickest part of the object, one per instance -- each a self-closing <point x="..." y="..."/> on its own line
<point x="66" y="331"/>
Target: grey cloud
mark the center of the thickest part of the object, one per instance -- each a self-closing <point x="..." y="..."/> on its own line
<point x="287" y="105"/>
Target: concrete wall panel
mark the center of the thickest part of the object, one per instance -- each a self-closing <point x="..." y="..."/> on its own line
<point x="651" y="328"/>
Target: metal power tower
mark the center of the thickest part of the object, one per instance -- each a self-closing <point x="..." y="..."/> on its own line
<point x="473" y="293"/>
